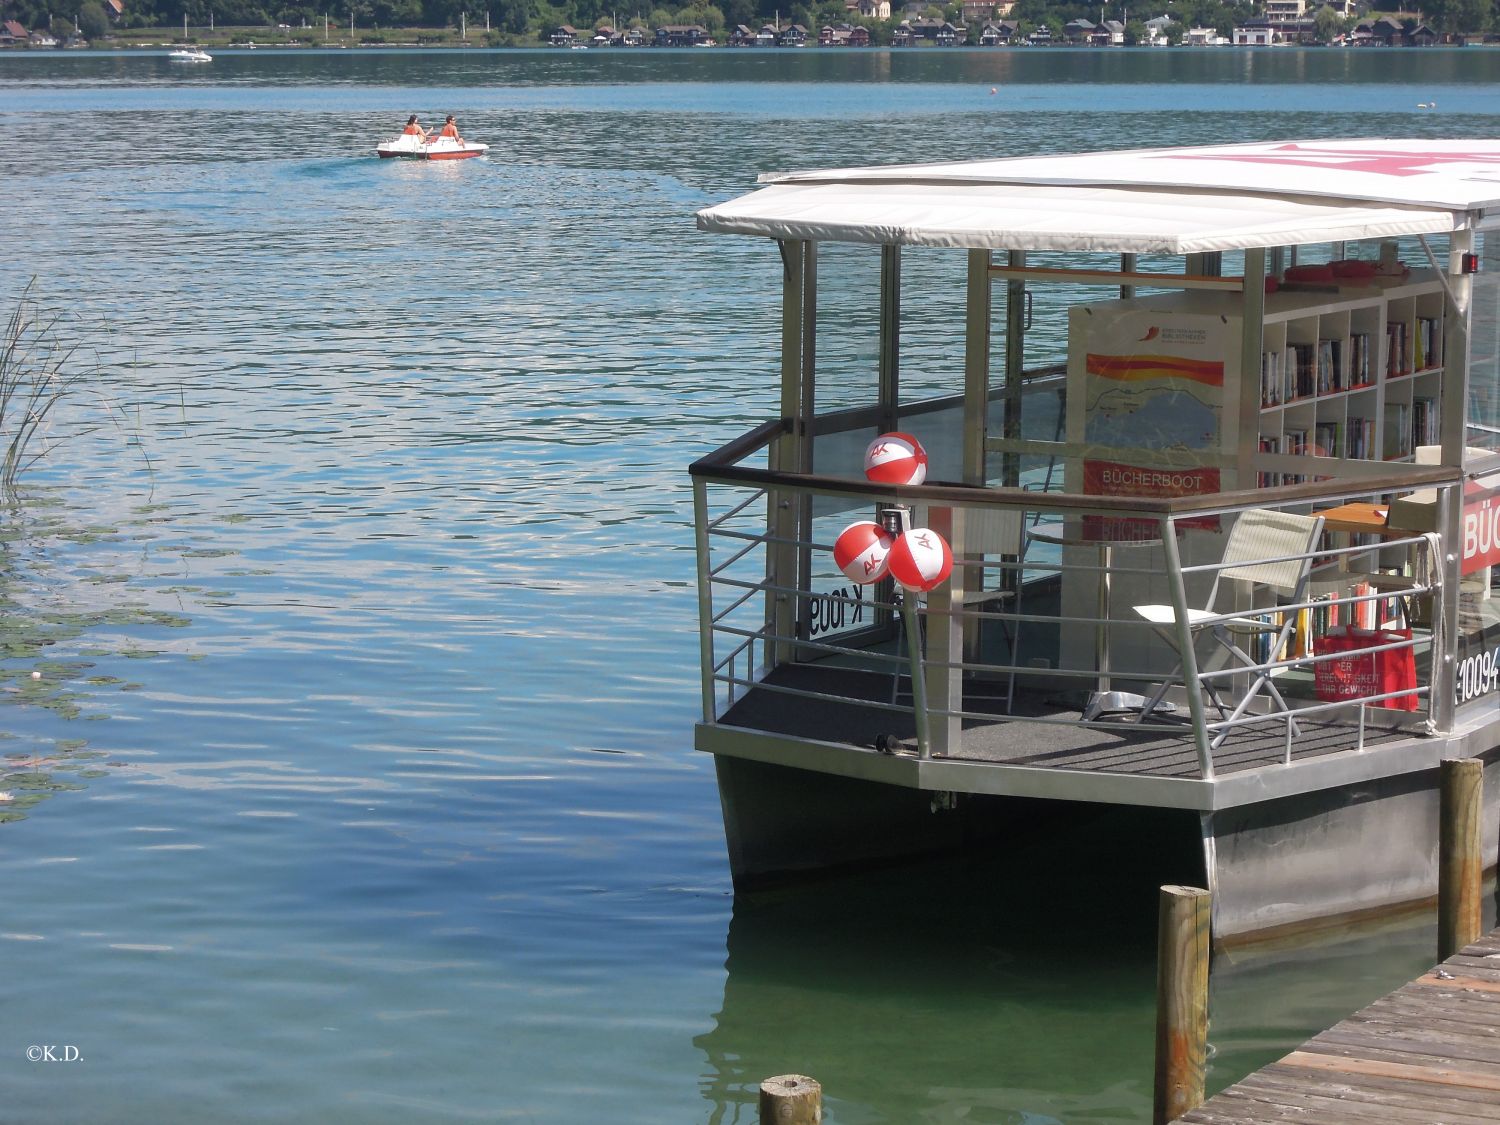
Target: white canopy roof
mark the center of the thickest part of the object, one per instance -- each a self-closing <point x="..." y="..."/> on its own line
<point x="1181" y="200"/>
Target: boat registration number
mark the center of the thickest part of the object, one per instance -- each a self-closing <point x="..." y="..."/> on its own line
<point x="1477" y="675"/>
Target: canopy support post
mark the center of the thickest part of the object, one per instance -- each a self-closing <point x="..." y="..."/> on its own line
<point x="890" y="337"/>
<point x="1453" y="434"/>
<point x="789" y="517"/>
<point x="977" y="368"/>
<point x="1015" y="360"/>
<point x="1253" y="306"/>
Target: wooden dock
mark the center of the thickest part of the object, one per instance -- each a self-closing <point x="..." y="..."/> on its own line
<point x="1427" y="1054"/>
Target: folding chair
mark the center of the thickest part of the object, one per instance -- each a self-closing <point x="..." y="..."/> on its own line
<point x="1265" y="549"/>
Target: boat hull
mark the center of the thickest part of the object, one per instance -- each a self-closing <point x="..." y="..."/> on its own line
<point x="1302" y="863"/>
<point x="414" y="148"/>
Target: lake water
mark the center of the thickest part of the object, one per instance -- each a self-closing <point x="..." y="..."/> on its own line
<point x="356" y="783"/>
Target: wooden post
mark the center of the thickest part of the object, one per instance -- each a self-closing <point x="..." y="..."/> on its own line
<point x="791" y="1099"/>
<point x="1182" y="949"/>
<point x="1460" y="855"/>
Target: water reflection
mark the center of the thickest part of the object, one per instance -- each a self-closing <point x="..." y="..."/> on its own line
<point x="1012" y="988"/>
<point x="72" y="608"/>
<point x="1015" y="989"/>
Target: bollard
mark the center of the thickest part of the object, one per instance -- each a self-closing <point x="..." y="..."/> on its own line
<point x="1460" y="855"/>
<point x="791" y="1099"/>
<point x="1182" y="951"/>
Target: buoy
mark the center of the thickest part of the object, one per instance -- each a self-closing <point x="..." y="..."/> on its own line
<point x="920" y="559"/>
<point x="861" y="551"/>
<point x="992" y="89"/>
<point x="896" y="458"/>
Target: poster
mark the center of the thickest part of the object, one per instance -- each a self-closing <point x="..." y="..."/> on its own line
<point x="1153" y="387"/>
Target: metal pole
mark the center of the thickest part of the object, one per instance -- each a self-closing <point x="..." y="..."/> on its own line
<point x="1185" y="648"/>
<point x="705" y="598"/>
<point x="976" y="368"/>
<point x="918" y="680"/>
<point x="890" y="337"/>
<point x="785" y="457"/>
<point x="1252" y="325"/>
<point x="1015" y="364"/>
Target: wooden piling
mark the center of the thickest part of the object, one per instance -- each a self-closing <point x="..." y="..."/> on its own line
<point x="1460" y="855"/>
<point x="791" y="1099"/>
<point x="1182" y="952"/>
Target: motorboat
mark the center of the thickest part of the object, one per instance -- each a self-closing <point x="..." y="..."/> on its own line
<point x="411" y="146"/>
<point x="190" y="54"/>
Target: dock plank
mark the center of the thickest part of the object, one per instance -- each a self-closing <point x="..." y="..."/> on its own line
<point x="1427" y="1052"/>
<point x="1316" y="1105"/>
<point x="1399" y="1094"/>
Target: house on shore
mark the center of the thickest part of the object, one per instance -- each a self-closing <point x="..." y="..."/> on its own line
<point x="682" y="35"/>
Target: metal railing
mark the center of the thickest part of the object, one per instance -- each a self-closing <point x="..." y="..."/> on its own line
<point x="1024" y="623"/>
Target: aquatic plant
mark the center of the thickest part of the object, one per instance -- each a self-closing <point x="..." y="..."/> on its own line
<point x="39" y="371"/>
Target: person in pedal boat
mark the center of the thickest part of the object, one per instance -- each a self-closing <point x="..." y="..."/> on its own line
<point x="413" y="129"/>
<point x="451" y="130"/>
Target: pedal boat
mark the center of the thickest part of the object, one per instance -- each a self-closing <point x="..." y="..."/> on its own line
<point x="409" y="146"/>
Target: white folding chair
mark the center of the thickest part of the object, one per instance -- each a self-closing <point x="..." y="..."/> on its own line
<point x="1265" y="550"/>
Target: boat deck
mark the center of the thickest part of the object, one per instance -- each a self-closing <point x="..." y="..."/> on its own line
<point x="1056" y="738"/>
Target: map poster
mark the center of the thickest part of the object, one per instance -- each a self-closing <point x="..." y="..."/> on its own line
<point x="1153" y="385"/>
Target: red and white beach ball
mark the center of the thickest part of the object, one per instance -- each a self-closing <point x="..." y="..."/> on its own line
<point x="896" y="458"/>
<point x="861" y="551"/>
<point x="920" y="559"/>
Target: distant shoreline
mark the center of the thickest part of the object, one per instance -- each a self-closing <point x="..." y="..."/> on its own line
<point x="246" y="46"/>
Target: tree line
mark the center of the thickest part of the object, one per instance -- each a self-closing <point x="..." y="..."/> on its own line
<point x="522" y="21"/>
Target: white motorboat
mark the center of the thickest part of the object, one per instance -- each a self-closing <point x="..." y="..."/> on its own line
<point x="411" y="146"/>
<point x="190" y="54"/>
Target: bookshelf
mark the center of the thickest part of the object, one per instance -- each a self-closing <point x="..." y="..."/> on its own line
<point x="1352" y="373"/>
<point x="1160" y="402"/>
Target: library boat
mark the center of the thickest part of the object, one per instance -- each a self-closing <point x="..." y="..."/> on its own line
<point x="1212" y="448"/>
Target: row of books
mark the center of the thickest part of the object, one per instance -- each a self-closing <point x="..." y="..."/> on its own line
<point x="1307" y="370"/>
<point x="1327" y="613"/>
<point x="1428" y="343"/>
<point x="1353" y="437"/>
<point x="1425" y="421"/>
<point x="1406" y="427"/>
<point x="1395" y="349"/>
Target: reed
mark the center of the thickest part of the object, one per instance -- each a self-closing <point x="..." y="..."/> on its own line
<point x="38" y="373"/>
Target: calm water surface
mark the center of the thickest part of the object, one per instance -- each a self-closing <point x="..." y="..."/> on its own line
<point x="357" y="782"/>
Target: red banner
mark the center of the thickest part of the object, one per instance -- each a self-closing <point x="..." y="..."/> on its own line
<point x="1481" y="533"/>
<point x="1115" y="478"/>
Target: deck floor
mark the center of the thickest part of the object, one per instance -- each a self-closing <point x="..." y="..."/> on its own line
<point x="1063" y="741"/>
<point x="1426" y="1053"/>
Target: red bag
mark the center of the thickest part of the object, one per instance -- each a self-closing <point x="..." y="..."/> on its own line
<point x="1358" y="674"/>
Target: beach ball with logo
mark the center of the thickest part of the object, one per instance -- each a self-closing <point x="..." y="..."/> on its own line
<point x="861" y="551"/>
<point x="920" y="559"/>
<point x="896" y="458"/>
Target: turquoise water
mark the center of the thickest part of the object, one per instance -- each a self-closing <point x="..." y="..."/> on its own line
<point x="360" y="586"/>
